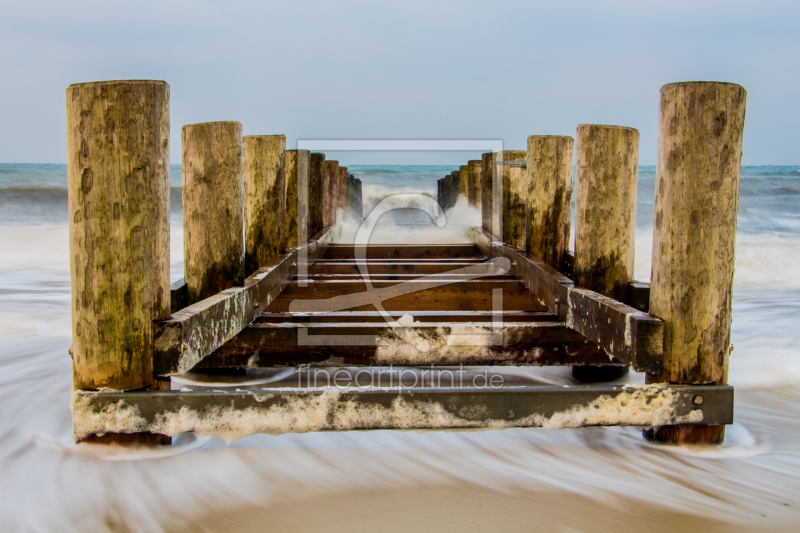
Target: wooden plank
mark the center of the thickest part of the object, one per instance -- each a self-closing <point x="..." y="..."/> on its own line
<point x="388" y="267"/>
<point x="628" y="334"/>
<point x="425" y="316"/>
<point x="473" y="295"/>
<point x="195" y="331"/>
<point x="405" y="251"/>
<point x="293" y="410"/>
<point x="377" y="344"/>
<point x="405" y="277"/>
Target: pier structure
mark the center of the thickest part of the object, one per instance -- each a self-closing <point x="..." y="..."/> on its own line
<point x="268" y="286"/>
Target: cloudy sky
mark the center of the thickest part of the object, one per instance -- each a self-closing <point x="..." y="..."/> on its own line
<point x="402" y="70"/>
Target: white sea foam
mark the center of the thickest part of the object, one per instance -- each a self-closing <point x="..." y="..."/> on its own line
<point x="459" y="218"/>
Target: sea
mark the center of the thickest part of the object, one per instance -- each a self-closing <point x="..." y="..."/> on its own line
<point x="509" y="480"/>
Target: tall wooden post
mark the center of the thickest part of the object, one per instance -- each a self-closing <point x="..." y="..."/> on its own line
<point x="455" y="185"/>
<point x="348" y="211"/>
<point x="549" y="196"/>
<point x="446" y="187"/>
<point x="490" y="206"/>
<point x="316" y="173"/>
<point x="474" y="183"/>
<point x="341" y="194"/>
<point x="118" y="180"/>
<point x="296" y="217"/>
<point x="512" y="176"/>
<point x="330" y="185"/>
<point x="264" y="200"/>
<point x="213" y="241"/>
<point x="605" y="223"/>
<point x="359" y="199"/>
<point x="463" y="173"/>
<point x="697" y="199"/>
<point x="439" y="196"/>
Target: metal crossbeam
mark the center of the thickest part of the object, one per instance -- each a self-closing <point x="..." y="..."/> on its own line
<point x="281" y="410"/>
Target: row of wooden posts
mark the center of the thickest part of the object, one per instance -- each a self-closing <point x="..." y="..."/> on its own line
<point x="525" y="200"/>
<point x="245" y="201"/>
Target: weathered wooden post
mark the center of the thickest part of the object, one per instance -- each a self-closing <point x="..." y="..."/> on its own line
<point x="439" y="196"/>
<point x="296" y="214"/>
<point x="359" y="199"/>
<point x="474" y="183"/>
<point x="455" y="185"/>
<point x="330" y="185"/>
<point x="446" y="181"/>
<point x="118" y="180"/>
<point x="463" y="173"/>
<point x="548" y="199"/>
<point x="213" y="241"/>
<point x="605" y="222"/>
<point x="490" y="206"/>
<point x="316" y="173"/>
<point x="697" y="200"/>
<point x="349" y="204"/>
<point x="264" y="199"/>
<point x="512" y="176"/>
<point x="341" y="193"/>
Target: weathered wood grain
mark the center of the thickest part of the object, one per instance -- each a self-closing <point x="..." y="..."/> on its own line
<point x="296" y="204"/>
<point x="213" y="240"/>
<point x="474" y="182"/>
<point x="195" y="331"/>
<point x="607" y="167"/>
<point x="548" y="197"/>
<point x="490" y="202"/>
<point x="512" y="178"/>
<point x="264" y="199"/>
<point x="118" y="181"/>
<point x="626" y="334"/>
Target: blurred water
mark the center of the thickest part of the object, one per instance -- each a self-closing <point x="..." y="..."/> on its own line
<point x="45" y="487"/>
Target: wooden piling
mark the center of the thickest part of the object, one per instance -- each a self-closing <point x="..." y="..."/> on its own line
<point x="474" y="183"/>
<point x="264" y="200"/>
<point x="118" y="180"/>
<point x="455" y="187"/>
<point x="490" y="205"/>
<point x="296" y="171"/>
<point x="330" y="186"/>
<point x="316" y="173"/>
<point x="350" y="204"/>
<point x="697" y="199"/>
<point x="463" y="173"/>
<point x="605" y="223"/>
<point x="549" y="194"/>
<point x="213" y="241"/>
<point x="359" y="199"/>
<point x="512" y="176"/>
<point x="341" y="193"/>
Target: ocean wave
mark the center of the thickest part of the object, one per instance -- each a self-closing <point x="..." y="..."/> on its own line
<point x="48" y="203"/>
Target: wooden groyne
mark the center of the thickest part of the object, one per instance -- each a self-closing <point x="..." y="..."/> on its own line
<point x="267" y="286"/>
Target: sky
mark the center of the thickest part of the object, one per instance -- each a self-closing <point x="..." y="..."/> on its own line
<point x="402" y="70"/>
